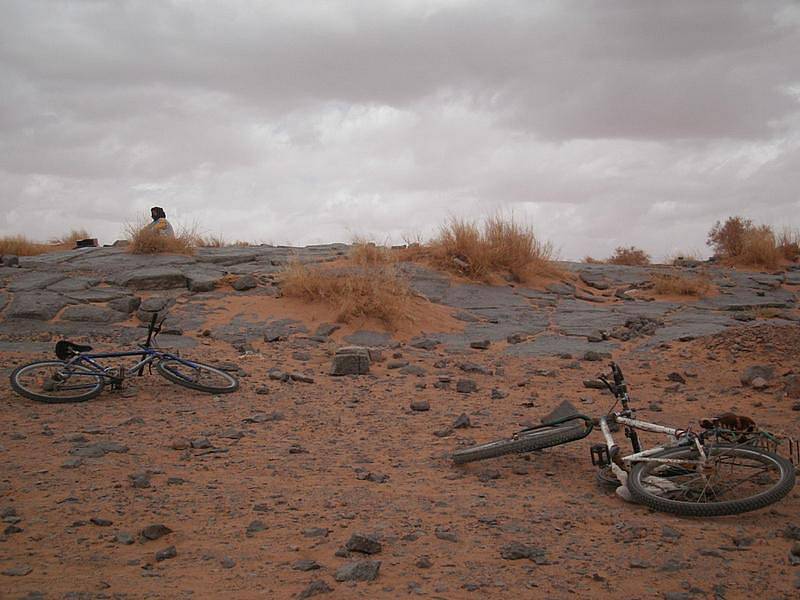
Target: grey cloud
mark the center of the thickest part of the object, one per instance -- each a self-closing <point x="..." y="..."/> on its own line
<point x="306" y="121"/>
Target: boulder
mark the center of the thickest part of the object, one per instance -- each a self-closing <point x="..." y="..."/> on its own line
<point x="202" y="281"/>
<point x="351" y="360"/>
<point x="247" y="282"/>
<point x="751" y="373"/>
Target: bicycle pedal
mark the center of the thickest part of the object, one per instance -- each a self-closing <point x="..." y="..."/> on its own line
<point x="600" y="455"/>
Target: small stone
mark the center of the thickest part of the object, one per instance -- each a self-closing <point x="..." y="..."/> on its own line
<point x="18" y="571"/>
<point x="262" y="390"/>
<point x="166" y="553"/>
<point x="306" y="564"/>
<point x="140" y="480"/>
<point x="72" y="463"/>
<point x="201" y="443"/>
<point x="124" y="538"/>
<point x="179" y="444"/>
<point x="676" y="377"/>
<point x="466" y="386"/>
<point x="759" y="383"/>
<point x="420" y="405"/>
<point x="446" y="535"/>
<point x="227" y="562"/>
<point x="100" y="522"/>
<point x="153" y="532"/>
<point x="423" y="562"/>
<point x="366" y="544"/>
<point x="480" y="344"/>
<point x="254" y="527"/>
<point x="498" y="394"/>
<point x="244" y="283"/>
<point x="314" y="589"/>
<point x="462" y="422"/>
<point x="301" y="377"/>
<point x="593" y="356"/>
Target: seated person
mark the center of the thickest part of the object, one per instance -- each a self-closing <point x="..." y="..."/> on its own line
<point x="160" y="223"/>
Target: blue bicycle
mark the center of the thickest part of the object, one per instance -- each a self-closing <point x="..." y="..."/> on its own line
<point x="78" y="375"/>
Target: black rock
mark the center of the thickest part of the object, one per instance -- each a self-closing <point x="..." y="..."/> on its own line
<point x="100" y="522"/>
<point x="315" y="588"/>
<point x="124" y="537"/>
<point x="246" y="282"/>
<point x="462" y="421"/>
<point x="517" y="551"/>
<point x="366" y="544"/>
<point x="498" y="394"/>
<point x="365" y="570"/>
<point x="480" y="344"/>
<point x="227" y="562"/>
<point x="166" y="553"/>
<point x="466" y="386"/>
<point x="420" y="405"/>
<point x="153" y="532"/>
<point x="254" y="527"/>
<point x="306" y="564"/>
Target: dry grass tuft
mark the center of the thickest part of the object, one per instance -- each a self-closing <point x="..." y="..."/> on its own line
<point x="71" y="238"/>
<point x="367" y="253"/>
<point x="211" y="241"/>
<point x="631" y="256"/>
<point x="590" y="260"/>
<point x="19" y="245"/>
<point x="500" y="246"/>
<point x="677" y="284"/>
<point x="379" y="292"/>
<point x="788" y="241"/>
<point x="739" y="242"/>
<point x="760" y="249"/>
<point x="148" y="241"/>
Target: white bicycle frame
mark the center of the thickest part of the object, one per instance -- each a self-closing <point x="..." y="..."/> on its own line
<point x="646" y="455"/>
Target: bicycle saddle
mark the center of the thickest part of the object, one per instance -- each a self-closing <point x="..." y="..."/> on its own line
<point x="66" y="349"/>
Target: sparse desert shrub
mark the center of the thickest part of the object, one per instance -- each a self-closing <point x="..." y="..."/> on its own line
<point x="366" y="253"/>
<point x="19" y="245"/>
<point x="789" y="243"/>
<point x="760" y="249"/>
<point x="501" y="245"/>
<point x="589" y="260"/>
<point x="378" y="292"/>
<point x="678" y="284"/>
<point x="631" y="256"/>
<point x="739" y="242"/>
<point x="728" y="239"/>
<point x="148" y="241"/>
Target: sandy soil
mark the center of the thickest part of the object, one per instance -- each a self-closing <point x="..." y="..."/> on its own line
<point x="302" y="473"/>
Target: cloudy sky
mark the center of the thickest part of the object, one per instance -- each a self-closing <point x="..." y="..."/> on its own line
<point x="601" y="123"/>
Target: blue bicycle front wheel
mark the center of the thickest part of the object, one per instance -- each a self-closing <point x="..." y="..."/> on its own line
<point x="55" y="382"/>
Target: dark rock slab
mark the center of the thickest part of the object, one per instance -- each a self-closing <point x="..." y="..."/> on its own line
<point x="92" y="314"/>
<point x="553" y="345"/>
<point x="153" y="278"/>
<point x="351" y="360"/>
<point x="37" y="305"/>
<point x="73" y="284"/>
<point x="98" y="294"/>
<point x="34" y="281"/>
<point x="202" y="280"/>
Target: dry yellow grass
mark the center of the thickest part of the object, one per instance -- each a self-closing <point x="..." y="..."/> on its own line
<point x="71" y="238"/>
<point x="19" y="245"/>
<point x="500" y="246"/>
<point x="678" y="284"/>
<point x="788" y="241"/>
<point x="149" y="241"/>
<point x="366" y="253"/>
<point x="760" y="249"/>
<point x="378" y="292"/>
<point x="630" y="256"/>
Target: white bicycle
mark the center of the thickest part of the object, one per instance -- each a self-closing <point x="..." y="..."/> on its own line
<point x="726" y="468"/>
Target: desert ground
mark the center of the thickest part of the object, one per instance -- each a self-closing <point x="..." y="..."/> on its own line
<point x="304" y="484"/>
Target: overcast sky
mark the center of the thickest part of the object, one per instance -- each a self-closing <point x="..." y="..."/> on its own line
<point x="601" y="123"/>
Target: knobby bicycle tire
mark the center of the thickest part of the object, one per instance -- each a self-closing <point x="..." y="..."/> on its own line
<point x="163" y="369"/>
<point x="22" y="390"/>
<point x="524" y="442"/>
<point x="772" y="494"/>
